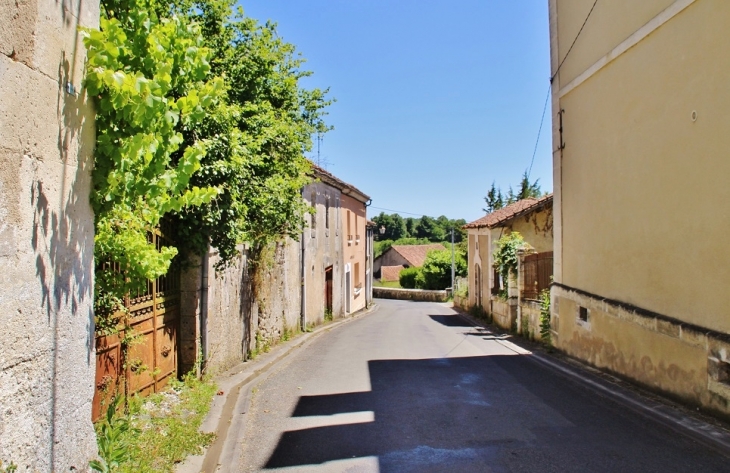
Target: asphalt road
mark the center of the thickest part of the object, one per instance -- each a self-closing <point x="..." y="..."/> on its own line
<point x="413" y="388"/>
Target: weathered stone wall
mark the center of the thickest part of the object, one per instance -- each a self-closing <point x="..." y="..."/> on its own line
<point x="687" y="361"/>
<point x="277" y="290"/>
<point x="410" y="294"/>
<point x="228" y="313"/>
<point x="46" y="237"/>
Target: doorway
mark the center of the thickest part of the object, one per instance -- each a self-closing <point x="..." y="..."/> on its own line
<point x="328" y="292"/>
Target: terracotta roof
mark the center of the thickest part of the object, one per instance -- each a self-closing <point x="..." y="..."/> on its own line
<point x="331" y="179"/>
<point x="416" y="254"/>
<point x="505" y="214"/>
<point x="390" y="273"/>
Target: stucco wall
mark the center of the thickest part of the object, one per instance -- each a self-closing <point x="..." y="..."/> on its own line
<point x="641" y="194"/>
<point x="354" y="251"/>
<point x="46" y="237"/>
<point x="644" y="187"/>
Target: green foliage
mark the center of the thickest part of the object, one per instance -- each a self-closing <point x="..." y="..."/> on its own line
<point x="150" y="80"/>
<point x="436" y="270"/>
<point x="328" y="316"/>
<point x="257" y="135"/>
<point x="159" y="431"/>
<point x="113" y="438"/>
<point x="505" y="256"/>
<point x="495" y="199"/>
<point x="478" y="311"/>
<point x="426" y="229"/>
<point x="408" y="276"/>
<point x="11" y="468"/>
<point x="545" y="316"/>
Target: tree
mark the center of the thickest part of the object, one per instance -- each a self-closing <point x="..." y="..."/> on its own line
<point x="398" y="229"/>
<point x="430" y="229"/>
<point x="494" y="199"/>
<point x="258" y="134"/>
<point x="528" y="189"/>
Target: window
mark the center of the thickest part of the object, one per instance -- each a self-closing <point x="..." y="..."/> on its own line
<point x="357" y="236"/>
<point x="583" y="314"/>
<point x="349" y="229"/>
<point x="358" y="283"/>
<point x="327" y="212"/>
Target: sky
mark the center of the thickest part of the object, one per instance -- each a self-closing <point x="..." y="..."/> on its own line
<point x="435" y="99"/>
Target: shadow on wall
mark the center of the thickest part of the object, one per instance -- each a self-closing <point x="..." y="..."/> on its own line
<point x="63" y="231"/>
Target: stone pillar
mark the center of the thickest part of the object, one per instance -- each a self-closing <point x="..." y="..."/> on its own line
<point x="47" y="360"/>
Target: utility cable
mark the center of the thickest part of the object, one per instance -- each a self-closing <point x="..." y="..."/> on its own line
<point x="576" y="39"/>
<point x="544" y="108"/>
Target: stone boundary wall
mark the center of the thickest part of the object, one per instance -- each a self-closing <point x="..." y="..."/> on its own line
<point x="504" y="313"/>
<point x="410" y="294"/>
<point x="683" y="360"/>
<point x="530" y="319"/>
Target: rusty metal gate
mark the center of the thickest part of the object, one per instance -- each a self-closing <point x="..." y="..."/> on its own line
<point x="151" y="358"/>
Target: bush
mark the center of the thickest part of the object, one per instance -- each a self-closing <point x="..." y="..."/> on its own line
<point x="408" y="277"/>
<point x="436" y="270"/>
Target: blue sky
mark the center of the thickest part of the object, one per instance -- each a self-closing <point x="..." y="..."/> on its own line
<point x="435" y="99"/>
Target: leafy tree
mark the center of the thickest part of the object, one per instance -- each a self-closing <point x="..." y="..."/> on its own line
<point x="151" y="81"/>
<point x="527" y="189"/>
<point x="411" y="224"/>
<point x="258" y="134"/>
<point x="429" y="228"/>
<point x="399" y="229"/>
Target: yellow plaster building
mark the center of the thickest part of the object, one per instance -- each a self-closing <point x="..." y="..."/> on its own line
<point x="641" y="120"/>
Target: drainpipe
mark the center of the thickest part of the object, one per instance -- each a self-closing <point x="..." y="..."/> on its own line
<point x="302" y="310"/>
<point x="204" y="309"/>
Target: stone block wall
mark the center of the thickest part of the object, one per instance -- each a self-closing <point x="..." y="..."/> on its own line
<point x="410" y="294"/>
<point x="47" y="358"/>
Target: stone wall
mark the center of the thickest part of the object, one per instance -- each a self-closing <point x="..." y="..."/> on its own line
<point x="504" y="312"/>
<point x="410" y="294"/>
<point x="47" y="358"/>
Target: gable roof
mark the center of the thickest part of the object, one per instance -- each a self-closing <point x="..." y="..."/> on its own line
<point x="505" y="214"/>
<point x="416" y="254"/>
<point x="347" y="189"/>
<point x="391" y="273"/>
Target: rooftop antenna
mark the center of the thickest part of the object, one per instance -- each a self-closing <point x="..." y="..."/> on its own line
<point x="321" y="162"/>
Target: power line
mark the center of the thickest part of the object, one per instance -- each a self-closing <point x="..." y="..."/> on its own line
<point x="576" y="39"/>
<point x="399" y="211"/>
<point x="544" y="108"/>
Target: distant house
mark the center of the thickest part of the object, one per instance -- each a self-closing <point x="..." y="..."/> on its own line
<point x="399" y="257"/>
<point x="533" y="219"/>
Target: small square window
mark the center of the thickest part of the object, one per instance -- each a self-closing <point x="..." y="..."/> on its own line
<point x="583" y="314"/>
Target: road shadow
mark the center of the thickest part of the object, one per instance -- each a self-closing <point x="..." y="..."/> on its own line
<point x="486" y="414"/>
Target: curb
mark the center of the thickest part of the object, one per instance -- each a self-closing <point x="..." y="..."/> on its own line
<point x="219" y="419"/>
<point x="657" y="409"/>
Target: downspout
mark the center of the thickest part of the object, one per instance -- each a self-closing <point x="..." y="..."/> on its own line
<point x="204" y="310"/>
<point x="368" y="259"/>
<point x="302" y="310"/>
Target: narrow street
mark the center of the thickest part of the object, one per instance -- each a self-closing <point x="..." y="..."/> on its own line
<point x="413" y="387"/>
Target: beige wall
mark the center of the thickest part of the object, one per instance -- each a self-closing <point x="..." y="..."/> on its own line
<point x="641" y="186"/>
<point x="46" y="237"/>
<point x="323" y="249"/>
<point x="644" y="188"/>
<point x="354" y="250"/>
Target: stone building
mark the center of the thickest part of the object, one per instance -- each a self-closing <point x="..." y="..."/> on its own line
<point x="46" y="237"/>
<point x="533" y="219"/>
<point x="640" y="119"/>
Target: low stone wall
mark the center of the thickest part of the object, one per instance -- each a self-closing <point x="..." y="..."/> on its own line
<point x="504" y="313"/>
<point x="410" y="294"/>
<point x="530" y="319"/>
